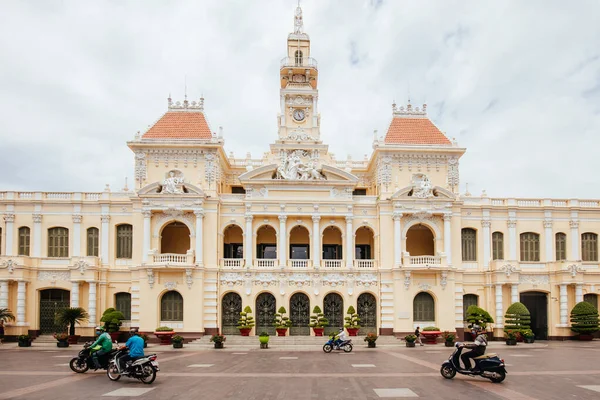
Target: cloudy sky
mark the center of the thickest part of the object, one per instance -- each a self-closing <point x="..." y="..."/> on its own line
<point x="515" y="82"/>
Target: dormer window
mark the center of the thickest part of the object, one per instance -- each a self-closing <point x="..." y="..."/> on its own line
<point x="299" y="57"/>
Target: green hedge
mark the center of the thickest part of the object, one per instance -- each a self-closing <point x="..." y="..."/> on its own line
<point x="584" y="318"/>
<point x="517" y="318"/>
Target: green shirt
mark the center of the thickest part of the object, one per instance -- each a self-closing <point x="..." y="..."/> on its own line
<point x="105" y="341"/>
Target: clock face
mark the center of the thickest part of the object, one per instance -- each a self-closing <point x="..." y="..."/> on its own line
<point x="299" y="115"/>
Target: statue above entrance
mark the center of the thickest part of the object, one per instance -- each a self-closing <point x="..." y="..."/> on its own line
<point x="293" y="168"/>
<point x="421" y="186"/>
<point x="173" y="183"/>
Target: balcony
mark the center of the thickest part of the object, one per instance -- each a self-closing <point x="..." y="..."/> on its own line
<point x="364" y="264"/>
<point x="299" y="264"/>
<point x="303" y="62"/>
<point x="173" y="259"/>
<point x="265" y="263"/>
<point x="231" y="263"/>
<point x="332" y="264"/>
<point x="423" y="261"/>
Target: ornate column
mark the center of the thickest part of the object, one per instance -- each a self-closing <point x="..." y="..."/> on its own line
<point x="21" y="299"/>
<point x="349" y="243"/>
<point x="248" y="235"/>
<point x="9" y="219"/>
<point x="458" y="306"/>
<point x="499" y="308"/>
<point x="316" y="245"/>
<point x="92" y="303"/>
<point x="147" y="235"/>
<point x="74" y="293"/>
<point x="512" y="239"/>
<point x="564" y="312"/>
<point x="199" y="242"/>
<point x="397" y="239"/>
<point x="3" y="294"/>
<point x="448" y="237"/>
<point x="104" y="243"/>
<point x="575" y="240"/>
<point x="37" y="235"/>
<point x="549" y="239"/>
<point x="487" y="245"/>
<point x="578" y="293"/>
<point x="77" y="235"/>
<point x="514" y="293"/>
<point x="282" y="247"/>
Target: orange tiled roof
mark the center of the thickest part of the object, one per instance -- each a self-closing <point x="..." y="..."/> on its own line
<point x="414" y="131"/>
<point x="180" y="125"/>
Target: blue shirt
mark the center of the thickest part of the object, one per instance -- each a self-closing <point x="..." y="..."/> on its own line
<point x="136" y="346"/>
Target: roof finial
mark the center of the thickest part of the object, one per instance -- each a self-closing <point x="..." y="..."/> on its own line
<point x="298" y="23"/>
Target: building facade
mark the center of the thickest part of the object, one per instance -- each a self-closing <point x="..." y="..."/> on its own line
<point x="204" y="234"/>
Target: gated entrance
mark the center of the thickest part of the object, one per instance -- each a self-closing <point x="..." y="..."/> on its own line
<point x="537" y="304"/>
<point x="231" y="307"/>
<point x="300" y="314"/>
<point x="333" y="308"/>
<point x="265" y="313"/>
<point x="367" y="312"/>
<point x="52" y="301"/>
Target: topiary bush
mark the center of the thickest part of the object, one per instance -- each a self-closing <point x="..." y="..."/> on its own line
<point x="112" y="319"/>
<point x="246" y="320"/>
<point x="584" y="318"/>
<point x="478" y="316"/>
<point x="517" y="318"/>
<point x="318" y="320"/>
<point x="431" y="329"/>
<point x="281" y="321"/>
<point x="353" y="319"/>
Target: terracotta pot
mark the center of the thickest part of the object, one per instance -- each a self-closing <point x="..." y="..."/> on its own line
<point x="164" y="336"/>
<point x="583" y="336"/>
<point x="73" y="339"/>
<point x="352" y="331"/>
<point x="245" y="331"/>
<point x="371" y="345"/>
<point x="318" y="331"/>
<point x="281" y="331"/>
<point x="113" y="336"/>
<point x="431" y="336"/>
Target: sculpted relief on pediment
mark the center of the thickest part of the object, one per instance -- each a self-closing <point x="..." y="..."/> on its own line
<point x="295" y="167"/>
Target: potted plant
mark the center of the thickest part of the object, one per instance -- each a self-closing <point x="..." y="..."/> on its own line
<point x="478" y="316"/>
<point x="281" y="322"/>
<point x="263" y="338"/>
<point x="177" y="341"/>
<point x="164" y="334"/>
<point x="218" y="340"/>
<point x="145" y="337"/>
<point x="112" y="319"/>
<point x="24" y="340"/>
<point x="246" y="321"/>
<point x="584" y="320"/>
<point x="528" y="336"/>
<point x="410" y="340"/>
<point x="431" y="334"/>
<point x="5" y="316"/>
<point x="517" y="318"/>
<point x="371" y="338"/>
<point x="69" y="317"/>
<point x="511" y="337"/>
<point x="318" y="321"/>
<point x="62" y="339"/>
<point x="352" y="321"/>
<point x="448" y="338"/>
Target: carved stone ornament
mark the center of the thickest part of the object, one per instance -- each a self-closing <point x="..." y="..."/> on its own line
<point x="422" y="187"/>
<point x="299" y="280"/>
<point x="547" y="223"/>
<point x="265" y="279"/>
<point x="82" y="266"/>
<point x="9" y="217"/>
<point x="77" y="218"/>
<point x="574" y="224"/>
<point x="299" y="135"/>
<point x="508" y="269"/>
<point x="444" y="280"/>
<point x="486" y="223"/>
<point x="37" y="218"/>
<point x="534" y="280"/>
<point x="10" y="265"/>
<point x="150" y="273"/>
<point x="189" y="280"/>
<point x="384" y="170"/>
<point x="574" y="269"/>
<point x="294" y="169"/>
<point x="334" y="280"/>
<point x="231" y="279"/>
<point x="424" y="286"/>
<point x="406" y="280"/>
<point x="53" y="276"/>
<point x="140" y="166"/>
<point x="173" y="182"/>
<point x="422" y="215"/>
<point x="170" y="285"/>
<point x="366" y="280"/>
<point x="511" y="223"/>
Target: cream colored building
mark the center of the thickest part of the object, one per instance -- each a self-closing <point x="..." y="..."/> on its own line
<point x="202" y="235"/>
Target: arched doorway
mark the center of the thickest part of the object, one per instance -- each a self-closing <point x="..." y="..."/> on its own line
<point x="332" y="246"/>
<point x="265" y="313"/>
<point x="364" y="243"/>
<point x="231" y="307"/>
<point x="333" y="308"/>
<point x="52" y="301"/>
<point x="175" y="238"/>
<point x="300" y="314"/>
<point x="420" y="241"/>
<point x="366" y="308"/>
<point x="266" y="243"/>
<point x="537" y="304"/>
<point x="299" y="243"/>
<point x="233" y="242"/>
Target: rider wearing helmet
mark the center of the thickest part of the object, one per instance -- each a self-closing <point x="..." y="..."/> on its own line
<point x="478" y="346"/>
<point x="104" y="341"/>
<point x="340" y="337"/>
<point x="135" y="344"/>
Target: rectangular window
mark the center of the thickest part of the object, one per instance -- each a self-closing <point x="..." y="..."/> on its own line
<point x="530" y="247"/>
<point x="58" y="242"/>
<point x="362" y="252"/>
<point x="123" y="304"/>
<point x="589" y="247"/>
<point x="359" y="192"/>
<point x="124" y="241"/>
<point x="332" y="252"/>
<point x="24" y="240"/>
<point x="469" y="244"/>
<point x="561" y="246"/>
<point x="299" y="252"/>
<point x="592" y="299"/>
<point x="238" y="190"/>
<point x="497" y="246"/>
<point x="265" y="250"/>
<point x="233" y="250"/>
<point x="93" y="237"/>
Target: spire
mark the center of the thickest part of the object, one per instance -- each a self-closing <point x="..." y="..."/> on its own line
<point x="298" y="23"/>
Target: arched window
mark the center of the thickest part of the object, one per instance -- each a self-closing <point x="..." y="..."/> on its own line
<point x="530" y="246"/>
<point x="24" y="240"/>
<point x="497" y="246"/>
<point x="58" y="242"/>
<point x="123" y="304"/>
<point x="589" y="247"/>
<point x="469" y="244"/>
<point x="560" y="242"/>
<point x="124" y="241"/>
<point x="93" y="237"/>
<point x="298" y="55"/>
<point x="423" y="308"/>
<point x="468" y="301"/>
<point x="592" y="299"/>
<point x="171" y="307"/>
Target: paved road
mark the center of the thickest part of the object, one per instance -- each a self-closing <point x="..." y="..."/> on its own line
<point x="565" y="370"/>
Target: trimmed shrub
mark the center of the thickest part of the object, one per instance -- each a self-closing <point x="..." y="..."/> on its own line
<point x="517" y="318"/>
<point x="584" y="318"/>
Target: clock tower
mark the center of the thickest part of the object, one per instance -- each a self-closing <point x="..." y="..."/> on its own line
<point x="298" y="119"/>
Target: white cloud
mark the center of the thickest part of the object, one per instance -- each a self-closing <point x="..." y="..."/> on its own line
<point x="517" y="83"/>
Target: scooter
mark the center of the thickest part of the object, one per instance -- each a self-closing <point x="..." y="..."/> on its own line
<point x="346" y="345"/>
<point x="144" y="368"/>
<point x="84" y="361"/>
<point x="488" y="366"/>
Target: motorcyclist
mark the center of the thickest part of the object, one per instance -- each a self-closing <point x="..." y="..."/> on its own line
<point x="340" y="337"/>
<point x="105" y="342"/>
<point x="135" y="344"/>
<point x="478" y="346"/>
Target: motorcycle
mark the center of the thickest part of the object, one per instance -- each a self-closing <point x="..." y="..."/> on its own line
<point x="488" y="366"/>
<point x="346" y="345"/>
<point x="143" y="368"/>
<point x="84" y="361"/>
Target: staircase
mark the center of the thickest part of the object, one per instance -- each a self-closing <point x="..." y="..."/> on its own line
<point x="290" y="341"/>
<point x="45" y="339"/>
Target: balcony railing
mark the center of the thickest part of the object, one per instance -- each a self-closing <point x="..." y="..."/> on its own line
<point x="232" y="262"/>
<point x="425" y="260"/>
<point x="334" y="264"/>
<point x="304" y="62"/>
<point x="265" y="262"/>
<point x="170" y="258"/>
<point x="299" y="263"/>
<point x="364" y="264"/>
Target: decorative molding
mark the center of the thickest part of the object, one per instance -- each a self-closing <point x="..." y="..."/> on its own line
<point x="293" y="168"/>
<point x="231" y="279"/>
<point x="574" y="224"/>
<point x="265" y="279"/>
<point x="77" y="218"/>
<point x="384" y="171"/>
<point x="508" y="269"/>
<point x="444" y="280"/>
<point x="453" y="173"/>
<point x="333" y="280"/>
<point x="447" y="216"/>
<point x="150" y="274"/>
<point x="299" y="280"/>
<point x="511" y="223"/>
<point x="422" y="188"/>
<point x="9" y="217"/>
<point x="425" y="286"/>
<point x="54" y="276"/>
<point x="37" y="218"/>
<point x="574" y="269"/>
<point x="147" y="213"/>
<point x="189" y="280"/>
<point x="170" y="285"/>
<point x="105" y="218"/>
<point x="173" y="182"/>
<point x="82" y="266"/>
<point x="10" y="265"/>
<point x="535" y="280"/>
<point x="547" y="223"/>
<point x="366" y="280"/>
<point x="140" y="166"/>
<point x="407" y="280"/>
<point x="486" y="223"/>
<point x="422" y="215"/>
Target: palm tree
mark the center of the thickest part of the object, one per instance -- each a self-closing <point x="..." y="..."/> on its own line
<point x="71" y="316"/>
<point x="6" y="315"/>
